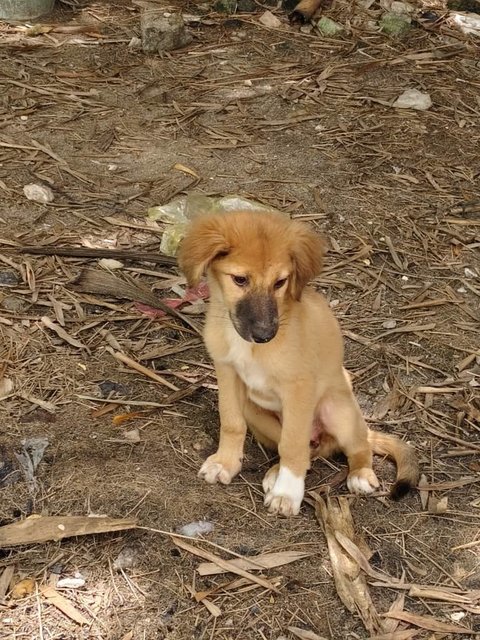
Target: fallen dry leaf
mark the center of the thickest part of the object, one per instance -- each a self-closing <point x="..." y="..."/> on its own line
<point x="184" y="169"/>
<point x="406" y="634"/>
<point x="427" y="622"/>
<point x="62" y="604"/>
<point x="61" y="333"/>
<point x="336" y="520"/>
<point x="423" y="482"/>
<point x="207" y="555"/>
<point x="391" y="625"/>
<point x="125" y="417"/>
<point x="305" y="634"/>
<point x="255" y="563"/>
<point x="437" y="593"/>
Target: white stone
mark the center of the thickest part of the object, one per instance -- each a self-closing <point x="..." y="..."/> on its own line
<point x="413" y="99"/>
<point x="38" y="193"/>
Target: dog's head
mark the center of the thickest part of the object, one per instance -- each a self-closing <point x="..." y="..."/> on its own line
<point x="259" y="261"/>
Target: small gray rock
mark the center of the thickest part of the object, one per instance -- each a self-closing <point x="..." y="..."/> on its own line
<point x="9" y="278"/>
<point x="162" y="31"/>
<point x="13" y="304"/>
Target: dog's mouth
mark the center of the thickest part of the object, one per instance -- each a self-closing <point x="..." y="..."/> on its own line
<point x="256" y="319"/>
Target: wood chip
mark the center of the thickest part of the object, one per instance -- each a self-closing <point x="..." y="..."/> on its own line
<point x="122" y="357"/>
<point x="37" y="529"/>
<point x="5" y="580"/>
<point x="62" y="604"/>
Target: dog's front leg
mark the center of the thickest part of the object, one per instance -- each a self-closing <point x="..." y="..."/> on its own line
<point x="227" y="462"/>
<point x="284" y="484"/>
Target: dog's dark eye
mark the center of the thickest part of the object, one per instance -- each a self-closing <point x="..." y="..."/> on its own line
<point x="240" y="281"/>
<point x="279" y="283"/>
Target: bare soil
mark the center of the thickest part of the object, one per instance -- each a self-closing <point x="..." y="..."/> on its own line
<point x="301" y="123"/>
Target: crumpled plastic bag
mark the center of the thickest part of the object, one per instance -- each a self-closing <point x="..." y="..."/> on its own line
<point x="177" y="213"/>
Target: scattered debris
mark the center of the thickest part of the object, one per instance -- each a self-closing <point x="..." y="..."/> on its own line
<point x="22" y="589"/>
<point x="389" y="324"/>
<point x="469" y="23"/>
<point x="110" y="264"/>
<point x="6" y="387"/>
<point x="300" y="123"/>
<point x="127" y="559"/>
<point x="38" y="193"/>
<point x="269" y="20"/>
<point x="162" y="30"/>
<point x="30" y="457"/>
<point x="77" y="582"/>
<point x="225" y="6"/>
<point x="438" y="506"/>
<point x="195" y="529"/>
<point x="178" y="212"/>
<point x="329" y="28"/>
<point x="413" y="99"/>
<point x="395" y="24"/>
<point x="109" y="387"/>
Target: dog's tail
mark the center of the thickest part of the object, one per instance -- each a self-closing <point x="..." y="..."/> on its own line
<point x="405" y="458"/>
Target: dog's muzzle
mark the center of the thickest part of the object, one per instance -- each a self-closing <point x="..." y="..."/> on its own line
<point x="256" y="318"/>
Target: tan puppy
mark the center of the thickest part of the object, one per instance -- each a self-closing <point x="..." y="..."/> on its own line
<point x="278" y="355"/>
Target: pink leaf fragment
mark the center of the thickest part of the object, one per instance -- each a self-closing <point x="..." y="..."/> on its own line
<point x="192" y="294"/>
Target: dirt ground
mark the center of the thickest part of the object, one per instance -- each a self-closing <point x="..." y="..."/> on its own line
<point x="301" y="123"/>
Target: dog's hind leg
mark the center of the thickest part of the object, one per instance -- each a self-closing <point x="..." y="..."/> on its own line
<point x="263" y="424"/>
<point x="343" y="420"/>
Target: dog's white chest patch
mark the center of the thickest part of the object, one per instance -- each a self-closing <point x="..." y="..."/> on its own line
<point x="240" y="356"/>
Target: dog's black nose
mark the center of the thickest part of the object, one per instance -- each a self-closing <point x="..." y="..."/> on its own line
<point x="263" y="333"/>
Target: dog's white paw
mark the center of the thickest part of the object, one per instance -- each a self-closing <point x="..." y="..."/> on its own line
<point x="270" y="478"/>
<point x="214" y="470"/>
<point x="283" y="491"/>
<point x="362" y="481"/>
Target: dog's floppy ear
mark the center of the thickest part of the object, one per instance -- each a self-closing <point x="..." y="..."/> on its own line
<point x="306" y="250"/>
<point x="204" y="241"/>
